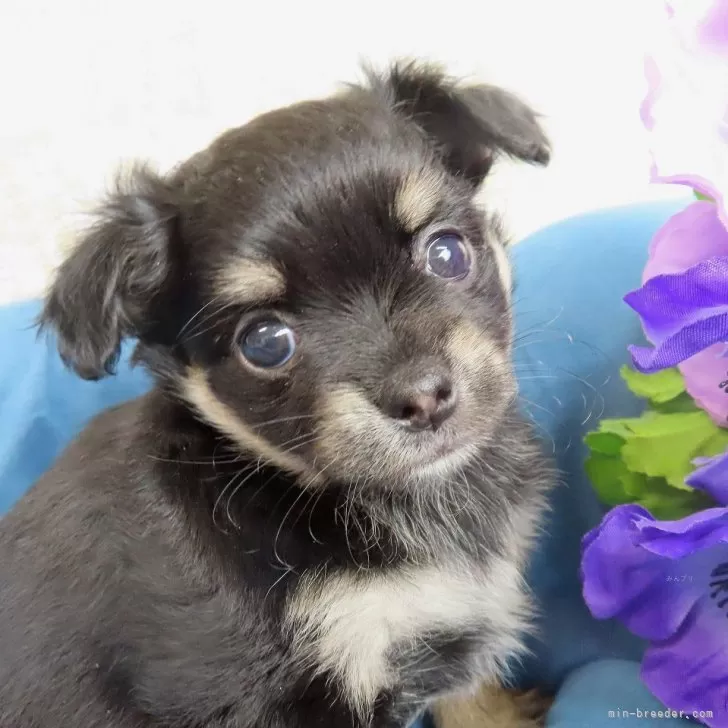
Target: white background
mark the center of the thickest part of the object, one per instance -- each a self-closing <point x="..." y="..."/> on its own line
<point x="85" y="84"/>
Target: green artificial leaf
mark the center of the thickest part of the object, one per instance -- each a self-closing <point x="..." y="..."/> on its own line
<point x="667" y="503"/>
<point x="604" y="466"/>
<point x="604" y="443"/>
<point x="664" y="445"/>
<point x="701" y="196"/>
<point x="619" y="427"/>
<point x="657" y="445"/>
<point x="615" y="484"/>
<point x="682" y="403"/>
<point x="658" y="388"/>
<point x="613" y="481"/>
<point x="646" y="459"/>
<point x="635" y="484"/>
<point x="606" y="474"/>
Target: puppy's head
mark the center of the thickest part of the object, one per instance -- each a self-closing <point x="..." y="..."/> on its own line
<point x="318" y="285"/>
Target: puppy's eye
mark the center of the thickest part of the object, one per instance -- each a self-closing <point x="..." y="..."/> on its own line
<point x="268" y="344"/>
<point x="448" y="256"/>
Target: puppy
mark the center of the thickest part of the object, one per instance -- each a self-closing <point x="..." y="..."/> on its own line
<point x="320" y="514"/>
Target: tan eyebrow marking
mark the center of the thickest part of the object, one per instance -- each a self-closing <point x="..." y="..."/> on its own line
<point x="246" y="279"/>
<point x="417" y="198"/>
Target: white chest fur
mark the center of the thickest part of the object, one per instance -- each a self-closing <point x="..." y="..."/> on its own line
<point x="345" y="623"/>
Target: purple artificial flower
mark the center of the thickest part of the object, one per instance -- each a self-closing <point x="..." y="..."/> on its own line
<point x="667" y="581"/>
<point x="683" y="302"/>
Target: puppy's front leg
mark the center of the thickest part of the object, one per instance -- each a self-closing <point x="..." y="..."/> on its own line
<point x="492" y="706"/>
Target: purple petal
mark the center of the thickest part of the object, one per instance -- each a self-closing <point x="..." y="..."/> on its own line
<point x="689" y="671"/>
<point x="688" y="237"/>
<point x="685" y="343"/>
<point x="712" y="477"/>
<point x="712" y="31"/>
<point x="678" y="539"/>
<point x="623" y="580"/>
<point x="652" y="74"/>
<point x="686" y="105"/>
<point x="706" y="380"/>
<point x="668" y="299"/>
<point x="699" y="184"/>
<point x="682" y="313"/>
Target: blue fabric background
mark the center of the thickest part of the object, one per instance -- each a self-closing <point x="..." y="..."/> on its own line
<point x="572" y="334"/>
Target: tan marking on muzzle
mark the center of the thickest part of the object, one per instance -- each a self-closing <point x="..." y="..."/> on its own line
<point x="346" y="410"/>
<point x="197" y="391"/>
<point x="417" y="198"/>
<point x="247" y="280"/>
<point x="473" y="352"/>
<point x="357" y="439"/>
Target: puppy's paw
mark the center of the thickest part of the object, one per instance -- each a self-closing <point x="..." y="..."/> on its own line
<point x="493" y="707"/>
<point x="533" y="706"/>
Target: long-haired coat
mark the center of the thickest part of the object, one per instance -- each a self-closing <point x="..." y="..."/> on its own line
<point x="321" y="513"/>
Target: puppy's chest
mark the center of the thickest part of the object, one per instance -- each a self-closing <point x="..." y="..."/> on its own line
<point x="374" y="631"/>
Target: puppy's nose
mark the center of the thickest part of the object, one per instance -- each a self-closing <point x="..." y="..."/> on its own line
<point x="420" y="396"/>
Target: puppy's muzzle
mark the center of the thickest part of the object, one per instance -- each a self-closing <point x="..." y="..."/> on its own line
<point x="419" y="395"/>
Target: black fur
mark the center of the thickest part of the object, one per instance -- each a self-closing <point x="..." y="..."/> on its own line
<point x="144" y="579"/>
<point x="470" y="125"/>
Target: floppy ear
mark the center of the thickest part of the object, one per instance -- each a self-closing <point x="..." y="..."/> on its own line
<point x="112" y="283"/>
<point x="470" y="125"/>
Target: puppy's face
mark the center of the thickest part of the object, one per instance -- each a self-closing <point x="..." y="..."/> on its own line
<point x="319" y="284"/>
<point x="360" y="330"/>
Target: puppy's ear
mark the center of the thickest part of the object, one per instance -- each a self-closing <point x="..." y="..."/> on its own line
<point x="470" y="125"/>
<point x="114" y="280"/>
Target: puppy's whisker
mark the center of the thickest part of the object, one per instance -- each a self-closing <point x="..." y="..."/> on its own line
<point x="548" y="322"/>
<point x="539" y="378"/>
<point x="219" y="498"/>
<point x="252" y="498"/>
<point x="276" y="555"/>
<point x="260" y="462"/>
<point x="317" y="494"/>
<point x="196" y="314"/>
<point x="347" y="513"/>
<point x="253" y="469"/>
<point x="289" y="570"/>
<point x="278" y="420"/>
<point x="195" y="330"/>
<point x="312" y="509"/>
<point x="202" y="461"/>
